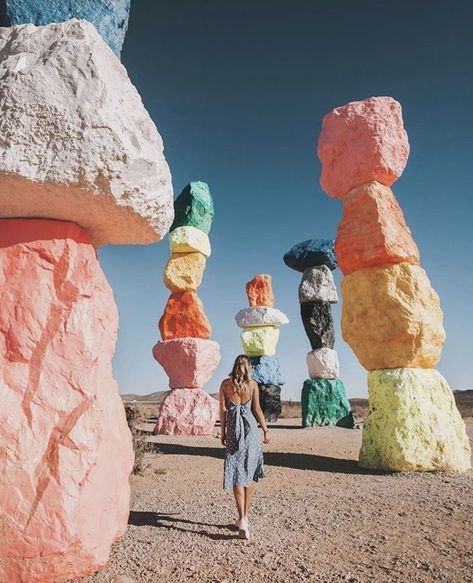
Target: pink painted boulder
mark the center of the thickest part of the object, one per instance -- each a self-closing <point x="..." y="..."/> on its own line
<point x="65" y="447"/>
<point x="187" y="412"/>
<point x="361" y="142"/>
<point x="188" y="362"/>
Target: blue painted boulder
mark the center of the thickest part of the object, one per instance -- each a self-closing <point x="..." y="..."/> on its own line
<point x="266" y="370"/>
<point x="311" y="253"/>
<point x="110" y="17"/>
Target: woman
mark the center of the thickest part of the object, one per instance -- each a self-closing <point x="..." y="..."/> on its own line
<point x="239" y="405"/>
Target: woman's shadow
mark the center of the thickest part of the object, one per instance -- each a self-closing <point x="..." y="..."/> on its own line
<point x="141" y="518"/>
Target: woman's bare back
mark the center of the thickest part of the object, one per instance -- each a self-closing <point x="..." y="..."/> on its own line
<point x="238" y="398"/>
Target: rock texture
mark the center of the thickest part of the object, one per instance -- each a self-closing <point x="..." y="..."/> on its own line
<point x="194" y="207"/>
<point x="184" y="271"/>
<point x="391" y="317"/>
<point x="260" y="291"/>
<point x="260" y="316"/>
<point x="310" y="253"/>
<point x="187" y="412"/>
<point x="318" y="324"/>
<point x="318" y="285"/>
<point x="188" y="362"/>
<point x="266" y="370"/>
<point x="260" y="341"/>
<point x="110" y="17"/>
<point x="184" y="317"/>
<point x="77" y="143"/>
<point x="361" y="142"/>
<point x="324" y="402"/>
<point x="63" y="432"/>
<point x="270" y="401"/>
<point x="373" y="232"/>
<point x="188" y="240"/>
<point x="323" y="364"/>
<point x="419" y="401"/>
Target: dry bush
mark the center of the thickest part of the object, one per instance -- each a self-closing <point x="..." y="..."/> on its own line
<point x="141" y="447"/>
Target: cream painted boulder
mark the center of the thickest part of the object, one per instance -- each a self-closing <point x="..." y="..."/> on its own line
<point x="260" y="341"/>
<point x="391" y="317"/>
<point x="66" y="451"/>
<point x="189" y="239"/>
<point x="188" y="362"/>
<point x="322" y="363"/>
<point x="260" y="316"/>
<point x="373" y="231"/>
<point x="77" y="143"/>
<point x="413" y="423"/>
<point x="184" y="271"/>
<point x="318" y="285"/>
<point x="361" y="142"/>
<point x="187" y="412"/>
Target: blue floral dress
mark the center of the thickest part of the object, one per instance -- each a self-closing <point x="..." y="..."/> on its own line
<point x="243" y="449"/>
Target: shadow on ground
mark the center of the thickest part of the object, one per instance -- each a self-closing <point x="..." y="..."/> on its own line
<point x="298" y="461"/>
<point x="171" y="522"/>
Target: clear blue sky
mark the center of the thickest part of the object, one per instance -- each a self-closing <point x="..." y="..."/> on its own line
<point x="238" y="91"/>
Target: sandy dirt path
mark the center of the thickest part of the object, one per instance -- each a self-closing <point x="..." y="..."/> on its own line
<point x="316" y="517"/>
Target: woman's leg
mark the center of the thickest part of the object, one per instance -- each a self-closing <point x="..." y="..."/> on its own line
<point x="248" y="496"/>
<point x="239" y="493"/>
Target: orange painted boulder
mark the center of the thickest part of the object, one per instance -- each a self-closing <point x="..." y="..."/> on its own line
<point x="188" y="362"/>
<point x="361" y="142"/>
<point x="260" y="291"/>
<point x="187" y="412"/>
<point x="184" y="317"/>
<point x="373" y="232"/>
<point x="66" y="450"/>
<point x="391" y="317"/>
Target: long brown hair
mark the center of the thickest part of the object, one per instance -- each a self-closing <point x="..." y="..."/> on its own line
<point x="241" y="373"/>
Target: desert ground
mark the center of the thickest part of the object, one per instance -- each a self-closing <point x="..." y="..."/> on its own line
<point x="316" y="516"/>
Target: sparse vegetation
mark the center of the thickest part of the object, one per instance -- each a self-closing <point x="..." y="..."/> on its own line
<point x="134" y="417"/>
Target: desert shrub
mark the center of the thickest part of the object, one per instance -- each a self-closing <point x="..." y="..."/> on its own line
<point x="141" y="447"/>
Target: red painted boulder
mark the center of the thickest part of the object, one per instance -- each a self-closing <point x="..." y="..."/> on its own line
<point x="188" y="362"/>
<point x="361" y="142"/>
<point x="187" y="412"/>
<point x="373" y="232"/>
<point x="260" y="291"/>
<point x="65" y="447"/>
<point x="184" y="317"/>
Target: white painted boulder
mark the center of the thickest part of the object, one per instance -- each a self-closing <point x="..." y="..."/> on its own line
<point x="318" y="285"/>
<point x="260" y="316"/>
<point x="189" y="239"/>
<point x="77" y="143"/>
<point x="323" y="363"/>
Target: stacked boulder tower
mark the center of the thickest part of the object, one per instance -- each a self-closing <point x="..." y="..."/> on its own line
<point x="391" y="316"/>
<point x="323" y="399"/>
<point x="186" y="352"/>
<point x="261" y="322"/>
<point x="81" y="166"/>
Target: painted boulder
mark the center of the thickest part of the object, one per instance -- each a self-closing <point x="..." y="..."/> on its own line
<point x="318" y="285"/>
<point x="77" y="144"/>
<point x="194" y="207"/>
<point x="260" y="316"/>
<point x="270" y="401"/>
<point x="318" y="324"/>
<point x="266" y="370"/>
<point x="324" y="402"/>
<point x="260" y="291"/>
<point x="260" y="341"/>
<point x="189" y="240"/>
<point x="323" y="364"/>
<point x="187" y="412"/>
<point x="184" y="271"/>
<point x="361" y="142"/>
<point x="184" y="317"/>
<point x="311" y="253"/>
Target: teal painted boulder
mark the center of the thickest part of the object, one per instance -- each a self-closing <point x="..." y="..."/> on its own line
<point x="324" y="402"/>
<point x="110" y="17"/>
<point x="194" y="207"/>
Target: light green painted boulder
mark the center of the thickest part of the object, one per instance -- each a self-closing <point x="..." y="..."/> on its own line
<point x="413" y="423"/>
<point x="260" y="341"/>
<point x="189" y="240"/>
<point x="324" y="402"/>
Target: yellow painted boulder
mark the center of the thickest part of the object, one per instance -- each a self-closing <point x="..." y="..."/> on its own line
<point x="184" y="271"/>
<point x="260" y="341"/>
<point x="413" y="424"/>
<point x="391" y="317"/>
<point x="189" y="240"/>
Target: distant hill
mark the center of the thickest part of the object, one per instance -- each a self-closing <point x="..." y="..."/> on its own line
<point x="156" y="397"/>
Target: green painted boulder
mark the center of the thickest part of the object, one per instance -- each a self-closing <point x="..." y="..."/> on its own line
<point x="194" y="207"/>
<point x="324" y="402"/>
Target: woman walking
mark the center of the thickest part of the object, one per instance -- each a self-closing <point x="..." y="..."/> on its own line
<point x="239" y="410"/>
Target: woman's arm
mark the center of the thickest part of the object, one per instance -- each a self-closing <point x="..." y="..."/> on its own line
<point x="258" y="413"/>
<point x="223" y="413"/>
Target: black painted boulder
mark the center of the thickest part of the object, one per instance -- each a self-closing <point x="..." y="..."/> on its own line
<point x="270" y="400"/>
<point x="324" y="402"/>
<point x="318" y="324"/>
